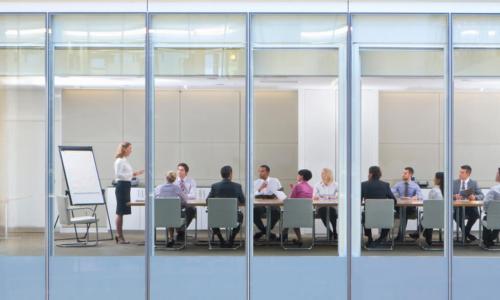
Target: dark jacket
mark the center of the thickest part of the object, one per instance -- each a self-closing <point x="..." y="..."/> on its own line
<point x="227" y="189"/>
<point x="376" y="189"/>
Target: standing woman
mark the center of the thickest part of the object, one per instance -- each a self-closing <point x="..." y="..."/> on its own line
<point x="123" y="175"/>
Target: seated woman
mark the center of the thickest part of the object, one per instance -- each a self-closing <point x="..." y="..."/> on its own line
<point x="327" y="189"/>
<point x="302" y="190"/>
<point x="436" y="193"/>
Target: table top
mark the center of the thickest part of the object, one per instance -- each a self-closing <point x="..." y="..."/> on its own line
<point x="257" y="202"/>
<point x="456" y="203"/>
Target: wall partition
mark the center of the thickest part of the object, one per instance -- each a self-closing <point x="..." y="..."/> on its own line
<point x="298" y="93"/>
<point x="22" y="140"/>
<point x="199" y="67"/>
<point x="398" y="215"/>
<point x="476" y="48"/>
<point x="97" y="65"/>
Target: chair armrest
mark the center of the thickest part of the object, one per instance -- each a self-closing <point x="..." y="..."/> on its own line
<point x="72" y="208"/>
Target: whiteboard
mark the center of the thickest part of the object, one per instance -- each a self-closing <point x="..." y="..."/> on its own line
<point x="82" y="178"/>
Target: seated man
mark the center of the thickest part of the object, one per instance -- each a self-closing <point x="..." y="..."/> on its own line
<point x="466" y="188"/>
<point x="227" y="189"/>
<point x="493" y="195"/>
<point x="265" y="187"/>
<point x="168" y="190"/>
<point x="188" y="186"/>
<point x="407" y="188"/>
<point x="375" y="188"/>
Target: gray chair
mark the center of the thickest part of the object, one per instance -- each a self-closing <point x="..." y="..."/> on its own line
<point x="222" y="214"/>
<point x="168" y="214"/>
<point x="297" y="213"/>
<point x="66" y="217"/>
<point x="492" y="222"/>
<point x="379" y="213"/>
<point x="433" y="217"/>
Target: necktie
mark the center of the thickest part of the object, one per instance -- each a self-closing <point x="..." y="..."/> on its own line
<point x="183" y="187"/>
<point x="406" y="191"/>
<point x="463" y="185"/>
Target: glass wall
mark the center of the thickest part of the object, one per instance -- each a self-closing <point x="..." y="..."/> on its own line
<point x="398" y="113"/>
<point x="22" y="139"/>
<point x="298" y="90"/>
<point x="475" y="146"/>
<point x="199" y="64"/>
<point x="99" y="144"/>
<point x="78" y="142"/>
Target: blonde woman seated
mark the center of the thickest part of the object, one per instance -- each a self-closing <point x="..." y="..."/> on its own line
<point x="327" y="189"/>
<point x="168" y="190"/>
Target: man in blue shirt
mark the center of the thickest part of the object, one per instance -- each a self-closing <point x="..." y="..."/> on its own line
<point x="407" y="189"/>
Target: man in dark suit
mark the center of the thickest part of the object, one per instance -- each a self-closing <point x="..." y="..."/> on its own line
<point x="466" y="188"/>
<point x="227" y="189"/>
<point x="375" y="188"/>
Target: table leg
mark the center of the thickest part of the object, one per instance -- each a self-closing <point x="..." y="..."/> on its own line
<point x="402" y="221"/>
<point x="463" y="225"/>
<point x="268" y="223"/>
<point x="328" y="235"/>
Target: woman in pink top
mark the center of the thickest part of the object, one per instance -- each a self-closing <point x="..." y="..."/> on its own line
<point x="302" y="190"/>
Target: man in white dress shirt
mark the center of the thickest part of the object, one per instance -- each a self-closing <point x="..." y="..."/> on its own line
<point x="265" y="187"/>
<point x="188" y="187"/>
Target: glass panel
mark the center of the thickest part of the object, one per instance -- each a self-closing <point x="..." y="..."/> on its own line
<point x="398" y="152"/>
<point x="476" y="107"/>
<point x="99" y="105"/>
<point x="199" y="68"/>
<point x="23" y="148"/>
<point x="299" y="94"/>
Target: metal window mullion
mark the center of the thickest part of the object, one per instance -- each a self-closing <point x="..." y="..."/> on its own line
<point x="449" y="159"/>
<point x="249" y="156"/>
<point x="49" y="148"/>
<point x="149" y="157"/>
<point x="348" y="146"/>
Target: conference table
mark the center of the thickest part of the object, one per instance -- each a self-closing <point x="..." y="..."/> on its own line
<point x="333" y="202"/>
<point x="459" y="204"/>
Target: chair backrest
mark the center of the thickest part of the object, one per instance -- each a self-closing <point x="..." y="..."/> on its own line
<point x="433" y="214"/>
<point x="493" y="215"/>
<point x="222" y="212"/>
<point x="379" y="213"/>
<point x="298" y="213"/>
<point x="168" y="212"/>
<point x="62" y="210"/>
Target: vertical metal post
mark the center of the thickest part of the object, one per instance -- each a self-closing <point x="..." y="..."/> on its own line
<point x="249" y="156"/>
<point x="448" y="146"/>
<point x="49" y="148"/>
<point x="348" y="146"/>
<point x="149" y="174"/>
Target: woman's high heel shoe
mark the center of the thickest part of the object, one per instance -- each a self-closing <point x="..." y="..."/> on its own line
<point x="116" y="239"/>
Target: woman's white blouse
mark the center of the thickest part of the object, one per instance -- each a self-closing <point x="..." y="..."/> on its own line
<point x="435" y="194"/>
<point x="123" y="170"/>
<point x="322" y="190"/>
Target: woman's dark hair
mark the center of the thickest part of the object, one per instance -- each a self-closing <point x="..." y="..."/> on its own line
<point x="306" y="174"/>
<point x="375" y="172"/>
<point x="440" y="177"/>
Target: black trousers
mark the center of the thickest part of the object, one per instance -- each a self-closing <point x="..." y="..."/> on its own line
<point x="368" y="232"/>
<point x="471" y="214"/>
<point x="322" y="212"/>
<point x="189" y="213"/>
<point x="489" y="236"/>
<point x="411" y="213"/>
<point x="259" y="212"/>
<point x="234" y="232"/>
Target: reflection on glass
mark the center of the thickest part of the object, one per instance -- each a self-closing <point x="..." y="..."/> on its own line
<point x="22" y="134"/>
<point x="297" y="87"/>
<point x="99" y="98"/>
<point x="475" y="167"/>
<point x="199" y="69"/>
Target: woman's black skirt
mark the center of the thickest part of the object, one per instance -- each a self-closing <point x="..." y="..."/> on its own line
<point x="122" y="193"/>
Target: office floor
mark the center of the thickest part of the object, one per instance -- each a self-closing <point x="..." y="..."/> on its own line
<point x="32" y="244"/>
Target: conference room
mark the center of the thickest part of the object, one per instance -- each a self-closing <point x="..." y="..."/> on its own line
<point x="200" y="116"/>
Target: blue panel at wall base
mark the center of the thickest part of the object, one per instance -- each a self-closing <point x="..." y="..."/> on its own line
<point x="22" y="277"/>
